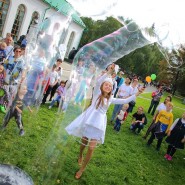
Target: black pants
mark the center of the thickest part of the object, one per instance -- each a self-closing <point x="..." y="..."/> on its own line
<point x="46" y="94"/>
<point x="18" y="118"/>
<point x="171" y="150"/>
<point x="53" y="91"/>
<point x="137" y="126"/>
<point x="149" y="129"/>
<point x="159" y="141"/>
<point x="153" y="105"/>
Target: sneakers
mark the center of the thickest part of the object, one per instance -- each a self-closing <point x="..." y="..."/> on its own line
<point x="2" y="109"/>
<point x="168" y="157"/>
<point x="21" y="133"/>
<point x="49" y="107"/>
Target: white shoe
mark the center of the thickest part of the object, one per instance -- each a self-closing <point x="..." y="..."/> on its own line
<point x="49" y="107"/>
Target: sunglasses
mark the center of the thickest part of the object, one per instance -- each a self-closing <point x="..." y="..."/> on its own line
<point x="18" y="51"/>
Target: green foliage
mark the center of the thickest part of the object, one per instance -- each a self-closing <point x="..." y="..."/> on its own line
<point x="49" y="155"/>
<point x="98" y="29"/>
<point x="143" y="61"/>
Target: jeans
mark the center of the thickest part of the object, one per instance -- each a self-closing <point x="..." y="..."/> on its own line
<point x="57" y="99"/>
<point x="13" y="113"/>
<point x="153" y="106"/>
<point x="81" y="93"/>
<point x="116" y="110"/>
<point x="117" y="125"/>
<point x="137" y="126"/>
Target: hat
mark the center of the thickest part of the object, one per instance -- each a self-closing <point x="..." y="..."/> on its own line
<point x="108" y="80"/>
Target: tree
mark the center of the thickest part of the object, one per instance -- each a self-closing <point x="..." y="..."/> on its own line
<point x="98" y="29"/>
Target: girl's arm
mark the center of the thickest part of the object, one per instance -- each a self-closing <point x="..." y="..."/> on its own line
<point x="174" y="123"/>
<point x="29" y="109"/>
<point x="19" y="110"/>
<point x="170" y="122"/>
<point x="172" y="127"/>
<point x="123" y="101"/>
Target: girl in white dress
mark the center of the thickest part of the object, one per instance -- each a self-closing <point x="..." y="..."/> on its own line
<point x="91" y="124"/>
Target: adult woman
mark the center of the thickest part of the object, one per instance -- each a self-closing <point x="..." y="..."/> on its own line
<point x="91" y="124"/>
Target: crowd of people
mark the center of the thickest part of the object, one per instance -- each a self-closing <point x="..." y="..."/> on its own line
<point x="91" y="124"/>
<point x="25" y="84"/>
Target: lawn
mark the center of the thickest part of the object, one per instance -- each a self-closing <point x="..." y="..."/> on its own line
<point x="49" y="155"/>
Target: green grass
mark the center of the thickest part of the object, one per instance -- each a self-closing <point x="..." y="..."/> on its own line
<point x="49" y="155"/>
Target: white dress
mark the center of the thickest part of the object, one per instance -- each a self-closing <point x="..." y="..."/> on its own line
<point x="92" y="123"/>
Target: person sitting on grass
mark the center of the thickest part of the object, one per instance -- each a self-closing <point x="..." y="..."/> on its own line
<point x="176" y="137"/>
<point x="163" y="122"/>
<point x="60" y="94"/>
<point x="16" y="110"/>
<point x="121" y="117"/>
<point x="138" y="120"/>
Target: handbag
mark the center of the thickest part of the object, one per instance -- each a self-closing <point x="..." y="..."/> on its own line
<point x="132" y="103"/>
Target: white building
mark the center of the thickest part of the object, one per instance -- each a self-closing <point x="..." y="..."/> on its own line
<point x="17" y="15"/>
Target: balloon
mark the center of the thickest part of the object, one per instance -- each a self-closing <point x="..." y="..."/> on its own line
<point x="148" y="79"/>
<point x="153" y="76"/>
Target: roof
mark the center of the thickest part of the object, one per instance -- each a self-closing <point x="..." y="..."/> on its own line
<point x="65" y="8"/>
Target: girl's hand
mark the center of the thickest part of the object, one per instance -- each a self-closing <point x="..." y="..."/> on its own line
<point x="169" y="133"/>
<point x="140" y="91"/>
<point x="183" y="140"/>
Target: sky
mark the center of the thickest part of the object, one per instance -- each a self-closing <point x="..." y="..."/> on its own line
<point x="168" y="15"/>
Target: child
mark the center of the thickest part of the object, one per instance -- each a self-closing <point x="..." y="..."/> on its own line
<point x="176" y="137"/>
<point x="163" y="122"/>
<point x="121" y="117"/>
<point x="17" y="109"/>
<point x="138" y="120"/>
<point x="52" y="81"/>
<point x="91" y="124"/>
<point x="2" y="52"/>
<point x="60" y="94"/>
<point x="3" y="93"/>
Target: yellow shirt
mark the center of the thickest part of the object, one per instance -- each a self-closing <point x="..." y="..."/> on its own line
<point x="166" y="118"/>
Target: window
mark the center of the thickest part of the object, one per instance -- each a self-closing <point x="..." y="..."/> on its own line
<point x="18" y="22"/>
<point x="4" y="5"/>
<point x="71" y="38"/>
<point x="34" y="19"/>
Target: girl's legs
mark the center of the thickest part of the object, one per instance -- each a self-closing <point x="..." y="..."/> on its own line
<point x="171" y="150"/>
<point x="152" y="137"/>
<point x="92" y="145"/>
<point x="82" y="147"/>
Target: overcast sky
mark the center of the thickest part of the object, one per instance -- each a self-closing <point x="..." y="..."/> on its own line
<point x="166" y="14"/>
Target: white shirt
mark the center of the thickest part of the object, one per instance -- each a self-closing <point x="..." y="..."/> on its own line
<point x="124" y="91"/>
<point x="53" y="77"/>
<point x="161" y="106"/>
<point x="134" y="90"/>
<point x="121" y="115"/>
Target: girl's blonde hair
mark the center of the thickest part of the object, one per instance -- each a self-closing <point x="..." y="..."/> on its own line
<point x="3" y="44"/>
<point x="126" y="105"/>
<point x="140" y="107"/>
<point x="170" y="104"/>
<point x="102" y="96"/>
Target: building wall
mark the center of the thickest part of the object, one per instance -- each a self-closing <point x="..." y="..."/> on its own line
<point x="44" y="11"/>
